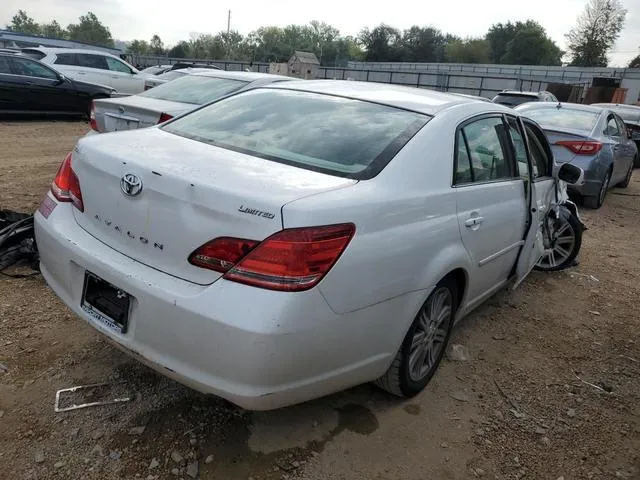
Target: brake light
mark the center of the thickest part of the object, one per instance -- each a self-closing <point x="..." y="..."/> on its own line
<point x="222" y="253"/>
<point x="580" y="147"/>
<point x="92" y="117"/>
<point x="164" y="117"/>
<point x="66" y="186"/>
<point x="291" y="260"/>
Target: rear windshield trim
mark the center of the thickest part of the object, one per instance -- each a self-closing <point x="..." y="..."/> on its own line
<point x="373" y="169"/>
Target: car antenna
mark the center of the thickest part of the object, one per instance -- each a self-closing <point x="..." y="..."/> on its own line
<point x="559" y="106"/>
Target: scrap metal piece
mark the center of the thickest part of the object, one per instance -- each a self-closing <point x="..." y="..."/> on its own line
<point x="58" y="409"/>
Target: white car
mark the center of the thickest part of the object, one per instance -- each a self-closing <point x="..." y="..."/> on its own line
<point x="294" y="240"/>
<point x="196" y="87"/>
<point x="92" y="66"/>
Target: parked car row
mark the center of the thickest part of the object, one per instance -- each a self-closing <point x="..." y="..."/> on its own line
<point x="289" y="239"/>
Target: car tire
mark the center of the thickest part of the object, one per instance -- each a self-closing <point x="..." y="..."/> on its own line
<point x="409" y="372"/>
<point x="595" y="201"/>
<point x="627" y="180"/>
<point x="567" y="243"/>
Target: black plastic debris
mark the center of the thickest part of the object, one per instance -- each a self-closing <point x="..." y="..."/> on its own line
<point x="17" y="242"/>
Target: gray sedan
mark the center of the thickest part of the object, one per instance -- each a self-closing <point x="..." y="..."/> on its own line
<point x="592" y="138"/>
<point x="173" y="98"/>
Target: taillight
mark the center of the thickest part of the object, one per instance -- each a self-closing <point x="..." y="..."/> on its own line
<point x="92" y="117"/>
<point x="65" y="186"/>
<point x="164" y="117"/>
<point x="222" y="253"/>
<point x="581" y="147"/>
<point x="291" y="260"/>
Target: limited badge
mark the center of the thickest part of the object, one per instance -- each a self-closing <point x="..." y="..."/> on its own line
<point x="47" y="206"/>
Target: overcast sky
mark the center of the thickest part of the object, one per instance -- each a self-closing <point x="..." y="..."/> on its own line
<point x="176" y="19"/>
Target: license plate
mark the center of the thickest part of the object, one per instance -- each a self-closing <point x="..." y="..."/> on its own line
<point x="106" y="303"/>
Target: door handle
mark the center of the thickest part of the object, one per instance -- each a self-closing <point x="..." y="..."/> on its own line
<point x="472" y="222"/>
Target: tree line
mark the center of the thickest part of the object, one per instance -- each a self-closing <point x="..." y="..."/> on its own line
<point x="516" y="43"/>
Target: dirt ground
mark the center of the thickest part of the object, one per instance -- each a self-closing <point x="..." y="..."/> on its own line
<point x="551" y="388"/>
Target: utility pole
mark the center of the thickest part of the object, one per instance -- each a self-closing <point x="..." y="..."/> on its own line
<point x="228" y="35"/>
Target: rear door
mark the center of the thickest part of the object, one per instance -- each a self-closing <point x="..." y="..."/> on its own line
<point x="628" y="148"/>
<point x="613" y="133"/>
<point x="491" y="202"/>
<point x="93" y="68"/>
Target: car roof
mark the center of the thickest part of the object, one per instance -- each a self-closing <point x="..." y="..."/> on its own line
<point x="562" y="105"/>
<point x="409" y="98"/>
<point x="235" y="75"/>
<point x="621" y="106"/>
<point x="48" y="50"/>
<point x="519" y="92"/>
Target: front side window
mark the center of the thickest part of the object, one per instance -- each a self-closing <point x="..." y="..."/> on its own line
<point x="487" y="148"/>
<point x="88" y="60"/>
<point x="539" y="158"/>
<point x="335" y="135"/>
<point x="520" y="149"/>
<point x="117" y="66"/>
<point x="612" y="129"/>
<point x="30" y="68"/>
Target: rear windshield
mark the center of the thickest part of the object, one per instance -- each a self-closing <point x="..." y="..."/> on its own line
<point x="335" y="135"/>
<point x="35" y="54"/>
<point x="628" y="115"/>
<point x="194" y="89"/>
<point x="513" y="99"/>
<point x="562" y="118"/>
<point x="172" y="75"/>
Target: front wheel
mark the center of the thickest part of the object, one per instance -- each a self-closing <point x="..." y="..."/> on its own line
<point x="563" y="239"/>
<point x="424" y="344"/>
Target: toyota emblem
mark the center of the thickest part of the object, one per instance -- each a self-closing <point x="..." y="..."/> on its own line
<point x="131" y="185"/>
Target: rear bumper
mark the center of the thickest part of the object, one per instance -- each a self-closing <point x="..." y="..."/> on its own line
<point x="256" y="348"/>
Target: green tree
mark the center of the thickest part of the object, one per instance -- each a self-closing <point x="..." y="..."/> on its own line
<point x="156" y="47"/>
<point x="423" y="44"/>
<point x="531" y="46"/>
<point x="635" y="63"/>
<point x="138" y="47"/>
<point x="90" y="30"/>
<point x="53" y="30"/>
<point x="23" y="23"/>
<point x="382" y="44"/>
<point x="471" y="50"/>
<point x="523" y="43"/>
<point x="180" y="50"/>
<point x="595" y="33"/>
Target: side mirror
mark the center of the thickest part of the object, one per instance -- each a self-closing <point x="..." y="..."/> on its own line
<point x="571" y="174"/>
<point x="61" y="78"/>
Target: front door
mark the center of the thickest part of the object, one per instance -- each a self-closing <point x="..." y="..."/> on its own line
<point x="123" y="79"/>
<point x="41" y="90"/>
<point x="491" y="202"/>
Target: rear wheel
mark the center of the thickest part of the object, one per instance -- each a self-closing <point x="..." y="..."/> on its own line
<point x="627" y="179"/>
<point x="596" y="201"/>
<point x="424" y="344"/>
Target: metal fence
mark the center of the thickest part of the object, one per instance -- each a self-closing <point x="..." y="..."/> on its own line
<point x="144" y="61"/>
<point x="469" y="83"/>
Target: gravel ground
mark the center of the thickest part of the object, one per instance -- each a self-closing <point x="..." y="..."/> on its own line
<point x="550" y="389"/>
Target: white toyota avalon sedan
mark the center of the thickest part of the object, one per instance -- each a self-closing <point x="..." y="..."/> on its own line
<point x="295" y="240"/>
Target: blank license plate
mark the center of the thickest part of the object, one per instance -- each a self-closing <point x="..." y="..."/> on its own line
<point x="106" y="303"/>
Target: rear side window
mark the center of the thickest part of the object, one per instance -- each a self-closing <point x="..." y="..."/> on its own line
<point x="92" y="61"/>
<point x="66" y="59"/>
<point x="564" y="117"/>
<point x="487" y="144"/>
<point x="612" y="129"/>
<point x="194" y="89"/>
<point x="335" y="135"/>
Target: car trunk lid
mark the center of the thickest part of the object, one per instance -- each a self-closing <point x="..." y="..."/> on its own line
<point x="191" y="193"/>
<point x="562" y="154"/>
<point x="129" y="113"/>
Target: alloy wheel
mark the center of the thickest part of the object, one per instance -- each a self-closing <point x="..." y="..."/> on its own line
<point x="563" y="239"/>
<point x="430" y="334"/>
